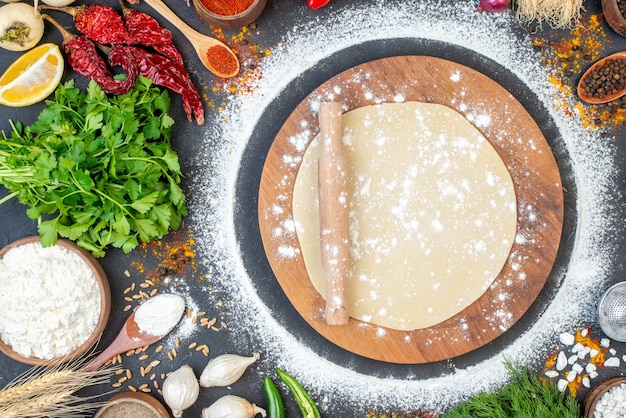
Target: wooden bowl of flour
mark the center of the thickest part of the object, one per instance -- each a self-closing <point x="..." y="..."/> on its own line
<point x="56" y="301"/>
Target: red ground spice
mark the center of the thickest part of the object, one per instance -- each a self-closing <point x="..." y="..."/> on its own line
<point x="221" y="59"/>
<point x="250" y="54"/>
<point x="226" y="7"/>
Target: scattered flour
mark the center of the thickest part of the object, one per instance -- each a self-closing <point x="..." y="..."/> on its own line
<point x="488" y="35"/>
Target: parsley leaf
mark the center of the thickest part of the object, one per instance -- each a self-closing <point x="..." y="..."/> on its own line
<point x="95" y="169"/>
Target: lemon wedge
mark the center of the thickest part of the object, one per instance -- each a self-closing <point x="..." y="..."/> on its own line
<point x="32" y="77"/>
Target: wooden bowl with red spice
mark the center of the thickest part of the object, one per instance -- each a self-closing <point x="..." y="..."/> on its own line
<point x="229" y="14"/>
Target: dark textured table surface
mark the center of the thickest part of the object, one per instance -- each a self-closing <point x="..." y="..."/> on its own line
<point x="210" y="177"/>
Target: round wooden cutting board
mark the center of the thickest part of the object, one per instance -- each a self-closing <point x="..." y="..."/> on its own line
<point x="514" y="135"/>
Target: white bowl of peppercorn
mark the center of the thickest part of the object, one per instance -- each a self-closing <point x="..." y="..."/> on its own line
<point x="229" y="14"/>
<point x="614" y="12"/>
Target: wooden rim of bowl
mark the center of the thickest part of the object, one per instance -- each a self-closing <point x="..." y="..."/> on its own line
<point x="614" y="17"/>
<point x="594" y="396"/>
<point x="105" y="305"/>
<point x="143" y="399"/>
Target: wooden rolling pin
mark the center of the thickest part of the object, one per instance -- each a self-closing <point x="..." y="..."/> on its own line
<point x="333" y="203"/>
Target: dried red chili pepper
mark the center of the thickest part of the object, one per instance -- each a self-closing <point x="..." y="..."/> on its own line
<point x="145" y="30"/>
<point x="316" y="4"/>
<point x="99" y="22"/>
<point x="165" y="72"/>
<point x="83" y="57"/>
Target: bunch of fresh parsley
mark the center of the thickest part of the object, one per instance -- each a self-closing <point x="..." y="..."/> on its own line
<point x="97" y="170"/>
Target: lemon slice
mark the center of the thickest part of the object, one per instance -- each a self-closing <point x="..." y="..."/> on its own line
<point x="32" y="77"/>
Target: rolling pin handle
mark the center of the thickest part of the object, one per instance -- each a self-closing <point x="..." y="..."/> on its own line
<point x="334" y="222"/>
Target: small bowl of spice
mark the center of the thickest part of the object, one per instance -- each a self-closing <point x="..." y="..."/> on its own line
<point x="614" y="12"/>
<point x="132" y="405"/>
<point x="607" y="399"/>
<point x="54" y="301"/>
<point x="229" y="14"/>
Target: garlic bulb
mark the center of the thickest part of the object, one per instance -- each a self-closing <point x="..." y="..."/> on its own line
<point x="58" y="3"/>
<point x="231" y="406"/>
<point x="226" y="369"/>
<point x="180" y="390"/>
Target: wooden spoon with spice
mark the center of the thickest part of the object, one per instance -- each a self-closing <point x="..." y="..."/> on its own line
<point x="214" y="54"/>
<point x="605" y="80"/>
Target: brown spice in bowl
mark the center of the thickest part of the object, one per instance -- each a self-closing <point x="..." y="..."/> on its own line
<point x="132" y="405"/>
<point x="127" y="410"/>
<point x="227" y="7"/>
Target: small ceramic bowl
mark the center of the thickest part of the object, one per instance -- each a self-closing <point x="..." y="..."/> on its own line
<point x="614" y="17"/>
<point x="232" y="21"/>
<point x="131" y="400"/>
<point x="594" y="396"/>
<point x="105" y="304"/>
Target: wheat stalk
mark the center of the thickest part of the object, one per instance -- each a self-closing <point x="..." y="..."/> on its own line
<point x="42" y="391"/>
<point x="45" y="382"/>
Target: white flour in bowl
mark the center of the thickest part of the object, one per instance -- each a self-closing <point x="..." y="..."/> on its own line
<point x="49" y="303"/>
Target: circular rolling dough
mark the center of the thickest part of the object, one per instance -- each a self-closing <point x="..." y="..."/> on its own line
<point x="433" y="214"/>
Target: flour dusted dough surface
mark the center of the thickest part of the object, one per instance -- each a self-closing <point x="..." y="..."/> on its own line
<point x="433" y="214"/>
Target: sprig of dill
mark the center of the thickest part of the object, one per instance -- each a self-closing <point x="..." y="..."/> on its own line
<point x="525" y="396"/>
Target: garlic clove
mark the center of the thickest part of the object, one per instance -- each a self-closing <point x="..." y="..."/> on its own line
<point x="231" y="406"/>
<point x="180" y="390"/>
<point x="226" y="369"/>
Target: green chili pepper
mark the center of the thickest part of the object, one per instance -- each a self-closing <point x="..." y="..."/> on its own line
<point x="303" y="399"/>
<point x="275" y="408"/>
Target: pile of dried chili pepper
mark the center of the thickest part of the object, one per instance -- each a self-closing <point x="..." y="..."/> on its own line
<point x="124" y="38"/>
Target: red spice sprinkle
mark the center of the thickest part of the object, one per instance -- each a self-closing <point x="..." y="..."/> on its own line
<point x="226" y="7"/>
<point x="221" y="59"/>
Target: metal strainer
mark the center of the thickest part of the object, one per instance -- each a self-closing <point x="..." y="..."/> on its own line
<point x="612" y="312"/>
